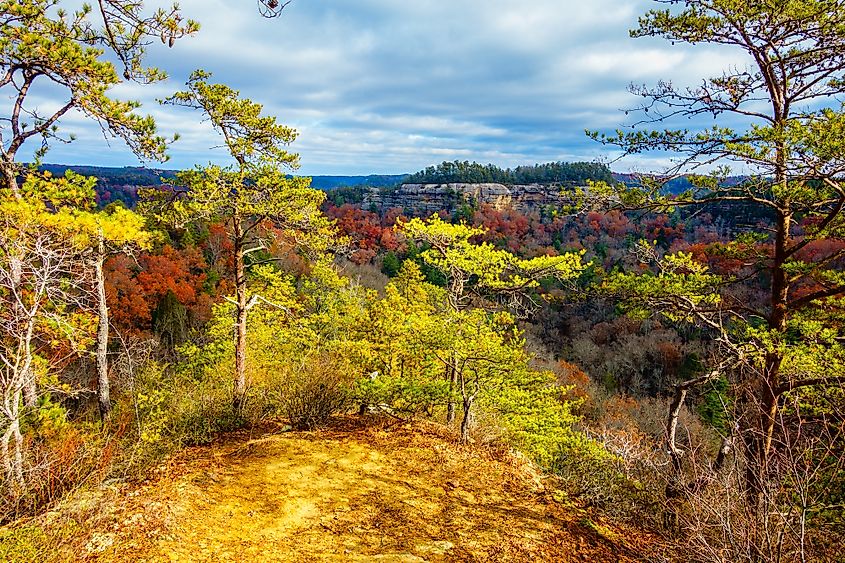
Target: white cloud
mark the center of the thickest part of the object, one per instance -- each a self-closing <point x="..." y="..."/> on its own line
<point x="385" y="87"/>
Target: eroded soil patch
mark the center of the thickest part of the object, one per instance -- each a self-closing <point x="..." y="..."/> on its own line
<point x="355" y="494"/>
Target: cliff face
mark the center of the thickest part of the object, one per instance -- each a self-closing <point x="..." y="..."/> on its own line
<point x="424" y="199"/>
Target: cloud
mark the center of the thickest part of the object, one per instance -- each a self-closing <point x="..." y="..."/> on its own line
<point x="379" y="86"/>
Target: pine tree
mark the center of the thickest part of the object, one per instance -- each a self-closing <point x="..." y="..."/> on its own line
<point x="782" y="352"/>
<point x="254" y="198"/>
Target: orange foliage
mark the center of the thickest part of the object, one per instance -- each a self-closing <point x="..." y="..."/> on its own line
<point x="134" y="289"/>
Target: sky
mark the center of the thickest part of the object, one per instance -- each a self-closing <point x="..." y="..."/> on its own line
<point x="393" y="86"/>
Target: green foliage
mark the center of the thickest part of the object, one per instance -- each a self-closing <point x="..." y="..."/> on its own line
<point x="255" y="189"/>
<point x="259" y="204"/>
<point x="251" y="138"/>
<point x="390" y="264"/>
<point x="482" y="270"/>
<point x="677" y="286"/>
<point x="714" y="407"/>
<point x="774" y="310"/>
<point x="536" y="416"/>
<point x="397" y="350"/>
<point x="475" y="173"/>
<point x="41" y="42"/>
<point x="173" y="408"/>
<point x="403" y="396"/>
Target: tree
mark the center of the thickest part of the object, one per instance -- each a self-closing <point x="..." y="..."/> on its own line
<point x="254" y="198"/>
<point x="43" y="289"/>
<point x="43" y="44"/>
<point x="400" y="333"/>
<point x="482" y="272"/>
<point x="482" y="351"/>
<point x="97" y="234"/>
<point x="789" y="341"/>
<point x="135" y="288"/>
<point x="116" y="230"/>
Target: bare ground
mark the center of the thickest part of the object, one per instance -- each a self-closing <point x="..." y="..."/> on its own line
<point x="350" y="493"/>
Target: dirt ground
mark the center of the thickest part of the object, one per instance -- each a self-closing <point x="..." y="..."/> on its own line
<point x="351" y="493"/>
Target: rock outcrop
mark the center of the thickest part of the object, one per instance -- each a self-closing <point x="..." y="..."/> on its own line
<point x="423" y="199"/>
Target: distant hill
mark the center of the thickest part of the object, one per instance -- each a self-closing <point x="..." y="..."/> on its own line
<point x="121" y="184"/>
<point x="150" y="176"/>
<point x="674" y="186"/>
<point x="373" y="180"/>
<point x="139" y="175"/>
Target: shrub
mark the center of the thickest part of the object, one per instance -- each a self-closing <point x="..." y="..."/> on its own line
<point x="22" y="544"/>
<point x="59" y="458"/>
<point x="594" y="475"/>
<point x="310" y="395"/>
<point x="164" y="408"/>
<point x="403" y="397"/>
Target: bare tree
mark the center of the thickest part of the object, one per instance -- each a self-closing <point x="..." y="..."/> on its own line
<point x="40" y="277"/>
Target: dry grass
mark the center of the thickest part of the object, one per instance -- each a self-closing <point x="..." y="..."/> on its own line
<point x="349" y="493"/>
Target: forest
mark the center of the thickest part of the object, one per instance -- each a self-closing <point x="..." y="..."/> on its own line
<point x="549" y="173"/>
<point x="667" y="353"/>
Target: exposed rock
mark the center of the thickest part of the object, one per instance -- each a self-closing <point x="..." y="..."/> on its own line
<point x="424" y="199"/>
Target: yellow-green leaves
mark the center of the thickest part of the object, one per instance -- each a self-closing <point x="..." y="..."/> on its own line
<point x="65" y="207"/>
<point x="254" y="190"/>
<point x="253" y="140"/>
<point x="677" y="287"/>
<point x="482" y="270"/>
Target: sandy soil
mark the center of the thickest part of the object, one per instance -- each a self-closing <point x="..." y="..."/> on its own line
<point x="399" y="494"/>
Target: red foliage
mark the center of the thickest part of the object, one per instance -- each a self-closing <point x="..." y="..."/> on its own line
<point x="134" y="289"/>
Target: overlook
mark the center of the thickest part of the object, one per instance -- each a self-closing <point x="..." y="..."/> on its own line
<point x="604" y="320"/>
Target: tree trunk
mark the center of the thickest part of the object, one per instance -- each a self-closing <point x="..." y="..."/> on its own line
<point x="103" y="399"/>
<point x="759" y="437"/>
<point x="452" y="377"/>
<point x="240" y="322"/>
<point x="466" y="420"/>
<point x="30" y="386"/>
<point x="13" y="458"/>
<point x="10" y="177"/>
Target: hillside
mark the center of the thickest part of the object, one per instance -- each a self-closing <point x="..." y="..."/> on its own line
<point x="349" y="493"/>
<point x="122" y="183"/>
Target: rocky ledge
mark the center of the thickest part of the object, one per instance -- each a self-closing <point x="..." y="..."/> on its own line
<point x="422" y="199"/>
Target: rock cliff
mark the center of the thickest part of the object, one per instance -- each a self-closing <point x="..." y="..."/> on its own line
<point x="423" y="199"/>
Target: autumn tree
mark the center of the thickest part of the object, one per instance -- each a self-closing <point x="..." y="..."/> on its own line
<point x="136" y="286"/>
<point x="43" y="291"/>
<point x="255" y="199"/>
<point x="776" y="114"/>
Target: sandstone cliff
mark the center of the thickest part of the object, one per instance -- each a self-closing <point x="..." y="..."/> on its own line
<point x="423" y="199"/>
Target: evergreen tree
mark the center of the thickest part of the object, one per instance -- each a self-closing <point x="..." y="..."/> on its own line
<point x="42" y="43"/>
<point x="783" y="352"/>
<point x="254" y="198"/>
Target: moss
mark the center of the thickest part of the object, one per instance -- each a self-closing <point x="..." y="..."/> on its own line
<point x="27" y="543"/>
